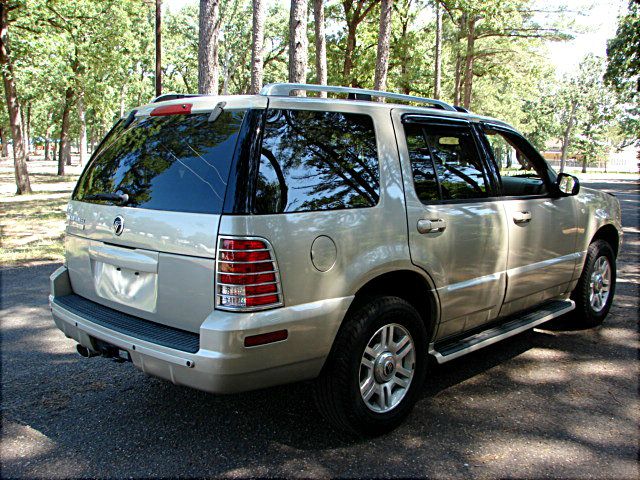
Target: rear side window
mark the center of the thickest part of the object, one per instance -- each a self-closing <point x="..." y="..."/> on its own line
<point x="312" y="160"/>
<point x="422" y="165"/>
<point x="450" y="152"/>
<point x="177" y="163"/>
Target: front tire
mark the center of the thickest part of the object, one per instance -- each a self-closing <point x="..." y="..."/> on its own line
<point x="595" y="289"/>
<point x="376" y="369"/>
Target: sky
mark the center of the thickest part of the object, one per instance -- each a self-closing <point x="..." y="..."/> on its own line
<point x="595" y="20"/>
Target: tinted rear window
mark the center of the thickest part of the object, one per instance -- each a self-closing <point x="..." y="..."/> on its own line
<point x="312" y="160"/>
<point x="177" y="163"/>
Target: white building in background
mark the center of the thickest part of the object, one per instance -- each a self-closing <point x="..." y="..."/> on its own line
<point x="626" y="160"/>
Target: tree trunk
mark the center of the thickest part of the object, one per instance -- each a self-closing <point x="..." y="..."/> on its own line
<point x="468" y="63"/>
<point x="92" y="139"/>
<point x="158" y="48"/>
<point x="348" y="54"/>
<point x="47" y="145"/>
<point x="321" y="43"/>
<point x="64" y="150"/>
<point x="82" y="118"/>
<point x="355" y="11"/>
<point x="566" y="137"/>
<point x="226" y="72"/>
<point x="4" y="151"/>
<point x="47" y="137"/>
<point x="123" y="99"/>
<point x="584" y="164"/>
<point x="208" y="47"/>
<point x="23" y="185"/>
<point x="298" y="42"/>
<point x="457" y="78"/>
<point x="461" y="33"/>
<point x="384" y="40"/>
<point x="437" y="71"/>
<point x="257" y="63"/>
<point x="27" y="131"/>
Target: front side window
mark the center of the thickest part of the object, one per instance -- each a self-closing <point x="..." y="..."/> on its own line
<point x="451" y="152"/>
<point x="314" y="160"/>
<point x="519" y="174"/>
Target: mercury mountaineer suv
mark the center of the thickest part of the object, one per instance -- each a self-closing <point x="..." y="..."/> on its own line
<point x="230" y="243"/>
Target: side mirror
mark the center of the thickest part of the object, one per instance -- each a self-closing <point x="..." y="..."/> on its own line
<point x="568" y="184"/>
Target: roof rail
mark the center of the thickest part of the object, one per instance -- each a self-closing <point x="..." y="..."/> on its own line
<point x="173" y="96"/>
<point x="285" y="89"/>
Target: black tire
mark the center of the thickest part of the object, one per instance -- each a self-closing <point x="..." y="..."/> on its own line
<point x="337" y="390"/>
<point x="585" y="313"/>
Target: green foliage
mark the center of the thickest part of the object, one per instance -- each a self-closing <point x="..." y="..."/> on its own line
<point x="623" y="53"/>
<point x="592" y="103"/>
<point x="623" y="73"/>
<point x="104" y="51"/>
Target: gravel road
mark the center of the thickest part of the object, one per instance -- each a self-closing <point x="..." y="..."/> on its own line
<point x="553" y="402"/>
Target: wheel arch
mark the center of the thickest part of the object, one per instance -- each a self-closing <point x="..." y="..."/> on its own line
<point x="609" y="234"/>
<point x="414" y="287"/>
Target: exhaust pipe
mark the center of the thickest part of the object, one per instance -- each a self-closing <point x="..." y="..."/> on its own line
<point x="85" y="352"/>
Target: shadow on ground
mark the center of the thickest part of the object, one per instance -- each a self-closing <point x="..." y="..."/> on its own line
<point x="556" y="401"/>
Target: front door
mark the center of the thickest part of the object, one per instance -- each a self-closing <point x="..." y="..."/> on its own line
<point x="457" y="227"/>
<point x="542" y="226"/>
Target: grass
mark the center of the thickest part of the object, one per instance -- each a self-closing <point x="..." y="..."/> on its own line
<point x="32" y="226"/>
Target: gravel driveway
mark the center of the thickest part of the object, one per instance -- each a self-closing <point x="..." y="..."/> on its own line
<point x="553" y="402"/>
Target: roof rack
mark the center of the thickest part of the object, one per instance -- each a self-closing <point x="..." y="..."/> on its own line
<point x="285" y="89"/>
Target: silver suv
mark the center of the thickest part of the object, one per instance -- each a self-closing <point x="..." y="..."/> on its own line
<point x="230" y="243"/>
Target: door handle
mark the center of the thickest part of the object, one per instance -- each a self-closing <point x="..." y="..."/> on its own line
<point x="522" y="217"/>
<point x="431" y="226"/>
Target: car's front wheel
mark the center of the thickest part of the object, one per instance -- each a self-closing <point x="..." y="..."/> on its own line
<point x="376" y="369"/>
<point x="594" y="293"/>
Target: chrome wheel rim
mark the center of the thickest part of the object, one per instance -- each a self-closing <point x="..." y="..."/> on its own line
<point x="386" y="368"/>
<point x="600" y="284"/>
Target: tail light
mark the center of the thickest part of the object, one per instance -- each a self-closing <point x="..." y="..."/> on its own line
<point x="247" y="275"/>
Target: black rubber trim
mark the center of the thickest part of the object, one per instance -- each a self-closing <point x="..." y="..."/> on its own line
<point x="129" y="325"/>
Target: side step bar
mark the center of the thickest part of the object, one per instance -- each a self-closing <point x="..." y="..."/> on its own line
<point x="449" y="350"/>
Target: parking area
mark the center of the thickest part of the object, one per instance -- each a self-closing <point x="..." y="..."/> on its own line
<point x="558" y="401"/>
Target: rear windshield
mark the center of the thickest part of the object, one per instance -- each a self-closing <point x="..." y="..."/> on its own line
<point x="178" y="163"/>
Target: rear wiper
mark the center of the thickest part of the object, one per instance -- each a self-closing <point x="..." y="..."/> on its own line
<point x="114" y="197"/>
<point x="217" y="111"/>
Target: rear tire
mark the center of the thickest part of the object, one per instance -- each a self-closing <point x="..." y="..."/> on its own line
<point x="376" y="368"/>
<point x="595" y="289"/>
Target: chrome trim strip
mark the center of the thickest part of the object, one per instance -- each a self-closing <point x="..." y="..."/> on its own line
<point x="471" y="283"/>
<point x="491" y="340"/>
<point x="235" y="261"/>
<point x="274" y="262"/>
<point x="230" y="295"/>
<point x="252" y="273"/>
<point x="220" y="284"/>
<point x="248" y="250"/>
<point x="511" y="272"/>
<point x="545" y="263"/>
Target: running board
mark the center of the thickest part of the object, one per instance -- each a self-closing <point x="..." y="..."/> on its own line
<point x="450" y="350"/>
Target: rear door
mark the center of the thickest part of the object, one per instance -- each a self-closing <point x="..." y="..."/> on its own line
<point x="143" y="219"/>
<point x="542" y="226"/>
<point x="457" y="228"/>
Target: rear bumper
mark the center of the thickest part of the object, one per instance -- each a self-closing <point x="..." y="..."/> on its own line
<point x="222" y="364"/>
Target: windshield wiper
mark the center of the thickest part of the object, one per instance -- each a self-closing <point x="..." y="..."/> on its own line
<point x="114" y="197"/>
